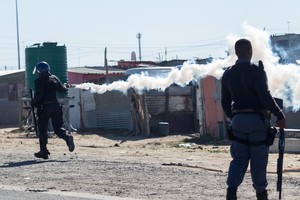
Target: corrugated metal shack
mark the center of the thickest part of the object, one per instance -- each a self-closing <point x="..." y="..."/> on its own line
<point x="176" y="105"/>
<point x="12" y="88"/>
<point x="112" y="110"/>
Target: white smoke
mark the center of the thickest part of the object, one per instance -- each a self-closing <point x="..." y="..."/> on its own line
<point x="284" y="80"/>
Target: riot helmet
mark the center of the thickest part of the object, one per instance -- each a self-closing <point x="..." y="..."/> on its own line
<point x="41" y="67"/>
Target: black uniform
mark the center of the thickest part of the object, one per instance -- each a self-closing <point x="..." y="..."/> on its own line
<point x="48" y="107"/>
<point x="246" y="99"/>
<point x="246" y="85"/>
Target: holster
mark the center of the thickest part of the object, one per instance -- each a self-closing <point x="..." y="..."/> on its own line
<point x="271" y="136"/>
<point x="230" y="133"/>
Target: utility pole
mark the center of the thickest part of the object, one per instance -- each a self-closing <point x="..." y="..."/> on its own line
<point x="105" y="63"/>
<point x="105" y="60"/>
<point x="17" y="23"/>
<point x="138" y="36"/>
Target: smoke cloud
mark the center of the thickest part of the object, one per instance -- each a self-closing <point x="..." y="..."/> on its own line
<point x="284" y="80"/>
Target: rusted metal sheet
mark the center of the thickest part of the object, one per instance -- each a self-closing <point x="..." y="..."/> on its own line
<point x="175" y="106"/>
<point x="181" y="123"/>
<point x="214" y="115"/>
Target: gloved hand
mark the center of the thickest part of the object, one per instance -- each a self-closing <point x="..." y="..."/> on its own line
<point x="67" y="85"/>
<point x="281" y="123"/>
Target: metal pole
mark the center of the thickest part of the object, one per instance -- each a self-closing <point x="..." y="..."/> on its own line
<point x="105" y="60"/>
<point x="17" y="22"/>
<point x="138" y="36"/>
<point x="202" y="125"/>
<point x="105" y="63"/>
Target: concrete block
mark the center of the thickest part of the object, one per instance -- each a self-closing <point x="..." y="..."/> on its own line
<point x="292" y="145"/>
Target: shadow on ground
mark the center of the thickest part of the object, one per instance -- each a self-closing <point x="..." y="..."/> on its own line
<point x="27" y="162"/>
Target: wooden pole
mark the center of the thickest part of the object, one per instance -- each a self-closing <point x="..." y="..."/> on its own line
<point x="145" y="116"/>
<point x="140" y="114"/>
<point x="105" y="63"/>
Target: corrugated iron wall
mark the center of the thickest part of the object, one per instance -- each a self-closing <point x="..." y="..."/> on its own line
<point x="176" y="105"/>
<point x="111" y="110"/>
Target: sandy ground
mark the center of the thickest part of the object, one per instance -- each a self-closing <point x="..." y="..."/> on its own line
<point x="169" y="168"/>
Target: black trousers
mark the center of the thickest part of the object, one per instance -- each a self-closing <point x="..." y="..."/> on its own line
<point x="46" y="112"/>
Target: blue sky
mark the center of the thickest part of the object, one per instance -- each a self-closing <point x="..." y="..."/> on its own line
<point x="185" y="28"/>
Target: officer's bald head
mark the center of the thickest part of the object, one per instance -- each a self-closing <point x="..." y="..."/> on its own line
<point x="243" y="49"/>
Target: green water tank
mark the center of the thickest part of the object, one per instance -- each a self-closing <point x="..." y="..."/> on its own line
<point x="55" y="55"/>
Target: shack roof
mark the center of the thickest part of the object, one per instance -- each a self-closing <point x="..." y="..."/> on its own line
<point x="95" y="70"/>
<point x="151" y="71"/>
<point x="9" y="72"/>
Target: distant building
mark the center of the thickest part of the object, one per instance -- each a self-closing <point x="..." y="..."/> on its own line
<point x="133" y="64"/>
<point x="133" y="56"/>
<point x="12" y="89"/>
<point x="287" y="47"/>
<point x="80" y="75"/>
<point x="137" y="64"/>
<point x="177" y="62"/>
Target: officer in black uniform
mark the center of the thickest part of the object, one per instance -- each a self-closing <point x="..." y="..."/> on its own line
<point x="45" y="100"/>
<point x="246" y="100"/>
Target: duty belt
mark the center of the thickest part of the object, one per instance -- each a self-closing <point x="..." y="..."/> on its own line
<point x="50" y="102"/>
<point x="264" y="113"/>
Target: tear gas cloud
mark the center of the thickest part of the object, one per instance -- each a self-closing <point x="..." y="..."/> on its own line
<point x="284" y="80"/>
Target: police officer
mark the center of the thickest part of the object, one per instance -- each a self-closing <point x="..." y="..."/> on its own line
<point x="246" y="100"/>
<point x="45" y="100"/>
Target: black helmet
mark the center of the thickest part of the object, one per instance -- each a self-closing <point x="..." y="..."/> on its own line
<point x="41" y="67"/>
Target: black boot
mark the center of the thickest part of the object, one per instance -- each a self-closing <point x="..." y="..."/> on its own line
<point x="70" y="143"/>
<point x="262" y="196"/>
<point x="231" y="193"/>
<point x="42" y="154"/>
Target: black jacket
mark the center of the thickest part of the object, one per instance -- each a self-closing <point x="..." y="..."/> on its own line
<point x="45" y="88"/>
<point x="245" y="86"/>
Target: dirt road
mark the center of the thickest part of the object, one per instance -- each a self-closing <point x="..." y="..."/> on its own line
<point x="169" y="168"/>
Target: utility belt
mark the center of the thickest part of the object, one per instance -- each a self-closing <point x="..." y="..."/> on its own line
<point x="272" y="131"/>
<point x="264" y="113"/>
<point x="41" y="106"/>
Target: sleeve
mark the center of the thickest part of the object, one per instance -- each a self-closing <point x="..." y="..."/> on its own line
<point x="59" y="86"/>
<point x="262" y="88"/>
<point x="226" y="99"/>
